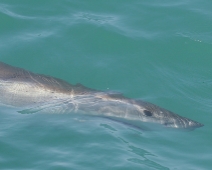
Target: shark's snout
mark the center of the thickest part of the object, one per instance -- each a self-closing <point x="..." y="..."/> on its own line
<point x="153" y="113"/>
<point x="184" y="123"/>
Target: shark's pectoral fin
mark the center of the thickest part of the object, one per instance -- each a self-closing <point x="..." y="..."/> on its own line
<point x="29" y="111"/>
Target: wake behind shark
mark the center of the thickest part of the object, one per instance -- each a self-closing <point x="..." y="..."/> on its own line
<point x="35" y="92"/>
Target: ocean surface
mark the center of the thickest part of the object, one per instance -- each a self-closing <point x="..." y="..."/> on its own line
<point x="157" y="51"/>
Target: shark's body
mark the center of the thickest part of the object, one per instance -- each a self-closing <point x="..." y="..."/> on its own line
<point x="34" y="92"/>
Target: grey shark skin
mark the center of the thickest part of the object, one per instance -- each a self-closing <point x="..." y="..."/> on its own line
<point x="35" y="92"/>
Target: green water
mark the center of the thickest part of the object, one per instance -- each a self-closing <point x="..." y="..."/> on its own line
<point x="159" y="51"/>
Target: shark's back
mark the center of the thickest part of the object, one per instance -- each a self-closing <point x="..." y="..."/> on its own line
<point x="17" y="75"/>
<point x="19" y="87"/>
<point x="14" y="74"/>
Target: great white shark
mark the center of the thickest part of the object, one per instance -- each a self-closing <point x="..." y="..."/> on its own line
<point x="33" y="92"/>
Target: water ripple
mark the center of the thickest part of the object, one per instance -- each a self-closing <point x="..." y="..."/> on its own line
<point x="7" y="10"/>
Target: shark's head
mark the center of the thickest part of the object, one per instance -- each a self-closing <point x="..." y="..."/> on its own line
<point x="152" y="113"/>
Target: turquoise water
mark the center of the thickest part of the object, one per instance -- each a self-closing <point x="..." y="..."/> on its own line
<point x="160" y="52"/>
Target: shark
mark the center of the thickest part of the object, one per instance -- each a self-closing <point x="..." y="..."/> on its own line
<point x="32" y="92"/>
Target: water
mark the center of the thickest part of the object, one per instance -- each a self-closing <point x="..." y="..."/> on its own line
<point x="160" y="52"/>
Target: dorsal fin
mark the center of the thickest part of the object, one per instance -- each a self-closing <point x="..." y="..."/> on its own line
<point x="82" y="89"/>
<point x="79" y="85"/>
<point x="116" y="95"/>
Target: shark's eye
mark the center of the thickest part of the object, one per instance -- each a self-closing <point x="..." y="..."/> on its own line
<point x="147" y="113"/>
